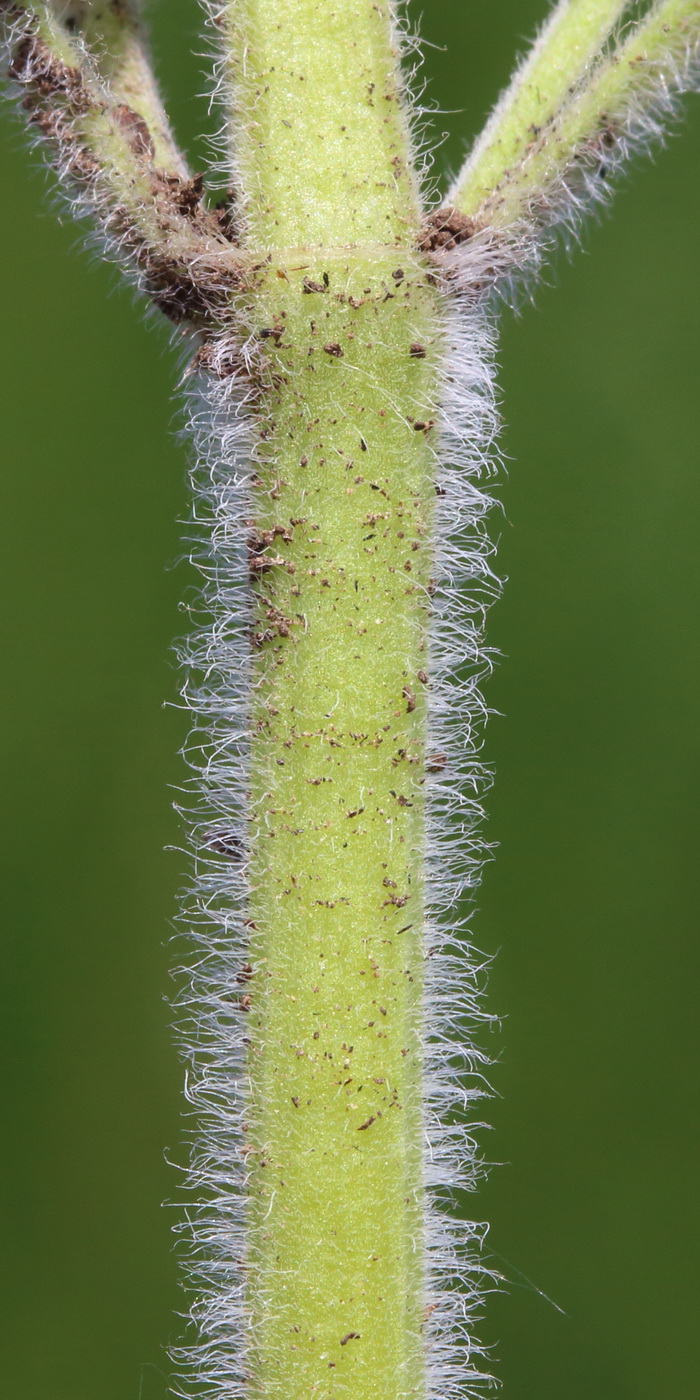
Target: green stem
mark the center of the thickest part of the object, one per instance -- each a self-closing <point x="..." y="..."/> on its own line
<point x="555" y="66"/>
<point x="617" y="101"/>
<point x="330" y="325"/>
<point x="113" y="34"/>
<point x="319" y="132"/>
<point x="337" y="828"/>
<point x="341" y="553"/>
<point x="151" y="215"/>
<point x="86" y="115"/>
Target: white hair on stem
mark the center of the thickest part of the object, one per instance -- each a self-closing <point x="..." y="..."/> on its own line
<point x="455" y="1060"/>
<point x="219" y="660"/>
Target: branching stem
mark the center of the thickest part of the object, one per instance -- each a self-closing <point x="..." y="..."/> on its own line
<point x="341" y="337"/>
<point x="113" y="36"/>
<point x="348" y="322"/>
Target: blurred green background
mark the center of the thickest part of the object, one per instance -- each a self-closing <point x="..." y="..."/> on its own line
<point x="592" y="902"/>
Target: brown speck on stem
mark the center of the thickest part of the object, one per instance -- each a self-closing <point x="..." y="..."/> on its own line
<point x="186" y="194"/>
<point x="436" y="762"/>
<point x="136" y="130"/>
<point x="334" y="349"/>
<point x="271" y="333"/>
<point x="225" y="843"/>
<point x="445" y="230"/>
<point x="261" y="563"/>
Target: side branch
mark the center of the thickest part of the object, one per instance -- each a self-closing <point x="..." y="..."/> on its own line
<point x="556" y="66"/>
<point x="620" y="107"/>
<point x="620" y="103"/>
<point x="152" y="217"/>
<point x="112" y="33"/>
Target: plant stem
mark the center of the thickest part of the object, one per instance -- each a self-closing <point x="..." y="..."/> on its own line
<point x="556" y="64"/>
<point x="349" y="319"/>
<point x="610" y="107"/>
<point x="651" y="63"/>
<point x="151" y="216"/>
<point x="112" y="34"/>
<point x="337" y="831"/>
<point x="318" y="130"/>
<point x="338" y="328"/>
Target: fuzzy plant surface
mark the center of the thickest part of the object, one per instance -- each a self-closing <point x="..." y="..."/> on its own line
<point x="337" y="327"/>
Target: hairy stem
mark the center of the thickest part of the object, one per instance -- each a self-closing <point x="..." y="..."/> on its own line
<point x="555" y="66"/>
<point x="348" y="323"/>
<point x="334" y="339"/>
<point x="614" y="105"/>
<point x="318" y="132"/>
<point x="112" y="32"/>
<point x="337" y="824"/>
<point x="152" y="217"/>
<point x="651" y="63"/>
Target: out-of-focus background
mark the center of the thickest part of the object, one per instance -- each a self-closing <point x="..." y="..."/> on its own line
<point x="592" y="903"/>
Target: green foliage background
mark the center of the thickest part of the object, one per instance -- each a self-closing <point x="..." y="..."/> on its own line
<point x="592" y="902"/>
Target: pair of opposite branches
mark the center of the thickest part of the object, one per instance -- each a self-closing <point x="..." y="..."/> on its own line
<point x="594" y="87"/>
